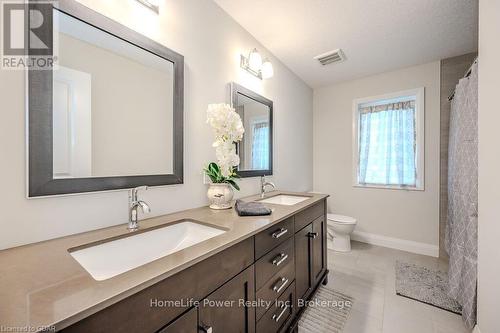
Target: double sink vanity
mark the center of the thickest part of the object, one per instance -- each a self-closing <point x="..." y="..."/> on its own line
<point x="105" y="259"/>
<point x="198" y="270"/>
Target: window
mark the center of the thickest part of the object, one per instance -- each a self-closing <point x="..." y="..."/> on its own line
<point x="389" y="141"/>
<point x="260" y="145"/>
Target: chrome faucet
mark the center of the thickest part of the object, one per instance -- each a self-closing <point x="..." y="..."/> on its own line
<point x="263" y="184"/>
<point x="134" y="204"/>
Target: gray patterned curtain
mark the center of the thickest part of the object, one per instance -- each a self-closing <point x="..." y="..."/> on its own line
<point x="461" y="233"/>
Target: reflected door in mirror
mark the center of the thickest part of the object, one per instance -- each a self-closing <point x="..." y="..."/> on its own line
<point x="112" y="105"/>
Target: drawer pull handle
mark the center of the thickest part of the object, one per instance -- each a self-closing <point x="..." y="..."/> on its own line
<point x="279" y="259"/>
<point x="279" y="233"/>
<point x="313" y="235"/>
<point x="206" y="329"/>
<point x="277" y="318"/>
<point x="284" y="282"/>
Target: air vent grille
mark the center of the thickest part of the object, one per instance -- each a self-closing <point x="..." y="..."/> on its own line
<point x="331" y="57"/>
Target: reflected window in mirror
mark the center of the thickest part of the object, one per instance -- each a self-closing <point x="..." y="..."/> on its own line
<point x="255" y="150"/>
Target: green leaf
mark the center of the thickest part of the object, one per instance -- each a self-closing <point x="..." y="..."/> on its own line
<point x="213" y="171"/>
<point x="214" y="167"/>
<point x="234" y="184"/>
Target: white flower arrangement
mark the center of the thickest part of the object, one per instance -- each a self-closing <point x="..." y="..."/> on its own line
<point x="228" y="129"/>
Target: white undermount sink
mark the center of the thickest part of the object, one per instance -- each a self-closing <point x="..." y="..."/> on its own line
<point x="105" y="260"/>
<point x="284" y="199"/>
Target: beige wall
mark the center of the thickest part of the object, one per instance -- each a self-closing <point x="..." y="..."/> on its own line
<point x="407" y="215"/>
<point x="489" y="167"/>
<point x="211" y="43"/>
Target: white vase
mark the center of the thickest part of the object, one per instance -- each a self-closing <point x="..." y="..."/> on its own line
<point x="220" y="196"/>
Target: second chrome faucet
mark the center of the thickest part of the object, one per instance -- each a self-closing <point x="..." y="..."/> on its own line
<point x="263" y="184"/>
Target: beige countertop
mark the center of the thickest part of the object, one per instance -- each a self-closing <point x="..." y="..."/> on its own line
<point x="42" y="285"/>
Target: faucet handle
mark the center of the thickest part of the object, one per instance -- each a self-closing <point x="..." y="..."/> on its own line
<point x="135" y="190"/>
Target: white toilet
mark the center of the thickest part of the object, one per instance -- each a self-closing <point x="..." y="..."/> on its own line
<point x="340" y="228"/>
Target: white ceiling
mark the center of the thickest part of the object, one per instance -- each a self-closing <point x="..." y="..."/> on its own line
<point x="376" y="35"/>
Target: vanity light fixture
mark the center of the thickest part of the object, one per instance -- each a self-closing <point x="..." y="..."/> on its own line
<point x="154" y="5"/>
<point x="267" y="69"/>
<point x="263" y="69"/>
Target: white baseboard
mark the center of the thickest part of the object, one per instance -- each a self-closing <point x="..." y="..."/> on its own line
<point x="396" y="243"/>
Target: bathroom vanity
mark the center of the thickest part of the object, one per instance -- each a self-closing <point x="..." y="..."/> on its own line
<point x="247" y="279"/>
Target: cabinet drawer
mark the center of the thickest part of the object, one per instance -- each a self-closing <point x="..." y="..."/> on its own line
<point x="273" y="288"/>
<point x="305" y="217"/>
<point x="278" y="315"/>
<point x="274" y="261"/>
<point x="272" y="237"/>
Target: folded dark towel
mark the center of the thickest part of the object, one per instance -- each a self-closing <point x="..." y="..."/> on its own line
<point x="251" y="208"/>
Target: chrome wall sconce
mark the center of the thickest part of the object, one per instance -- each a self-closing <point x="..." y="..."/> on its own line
<point x="154" y="5"/>
<point x="255" y="65"/>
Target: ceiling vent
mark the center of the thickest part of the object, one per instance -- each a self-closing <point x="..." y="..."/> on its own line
<point x="331" y="57"/>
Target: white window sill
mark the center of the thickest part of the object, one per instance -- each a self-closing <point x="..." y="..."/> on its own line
<point x="390" y="187"/>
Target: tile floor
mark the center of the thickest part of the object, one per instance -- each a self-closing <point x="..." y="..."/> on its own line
<point x="367" y="274"/>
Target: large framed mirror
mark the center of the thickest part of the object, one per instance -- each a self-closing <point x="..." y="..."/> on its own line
<point x="110" y="115"/>
<point x="256" y="148"/>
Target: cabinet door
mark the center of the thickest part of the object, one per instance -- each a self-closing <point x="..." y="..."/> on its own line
<point x="187" y="323"/>
<point x="318" y="245"/>
<point x="303" y="256"/>
<point x="222" y="311"/>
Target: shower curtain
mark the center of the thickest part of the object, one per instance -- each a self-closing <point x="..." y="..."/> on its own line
<point x="461" y="233"/>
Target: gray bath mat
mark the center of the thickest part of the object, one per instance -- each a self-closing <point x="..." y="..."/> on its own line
<point x="425" y="285"/>
<point x="327" y="312"/>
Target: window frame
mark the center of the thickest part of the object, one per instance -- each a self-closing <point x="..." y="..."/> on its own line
<point x="419" y="94"/>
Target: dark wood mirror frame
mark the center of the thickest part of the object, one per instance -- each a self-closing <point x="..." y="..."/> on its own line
<point x="238" y="89"/>
<point x="39" y="90"/>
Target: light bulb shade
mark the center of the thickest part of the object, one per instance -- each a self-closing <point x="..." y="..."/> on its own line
<point x="267" y="69"/>
<point x="151" y="4"/>
<point x="255" y="60"/>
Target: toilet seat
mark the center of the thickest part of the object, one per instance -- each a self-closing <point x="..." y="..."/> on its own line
<point x="342" y="219"/>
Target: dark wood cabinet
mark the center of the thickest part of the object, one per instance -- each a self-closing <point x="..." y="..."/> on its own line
<point x="310" y="256"/>
<point x="225" y="309"/>
<point x="318" y="244"/>
<point x="276" y="319"/>
<point x="271" y="263"/>
<point x="306" y="216"/>
<point x="187" y="323"/>
<point x="279" y="265"/>
<point x="274" y="288"/>
<point x="303" y="256"/>
<point x="135" y="313"/>
<point x="272" y="237"/>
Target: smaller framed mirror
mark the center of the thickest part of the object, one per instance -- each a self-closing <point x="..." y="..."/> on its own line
<point x="256" y="148"/>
